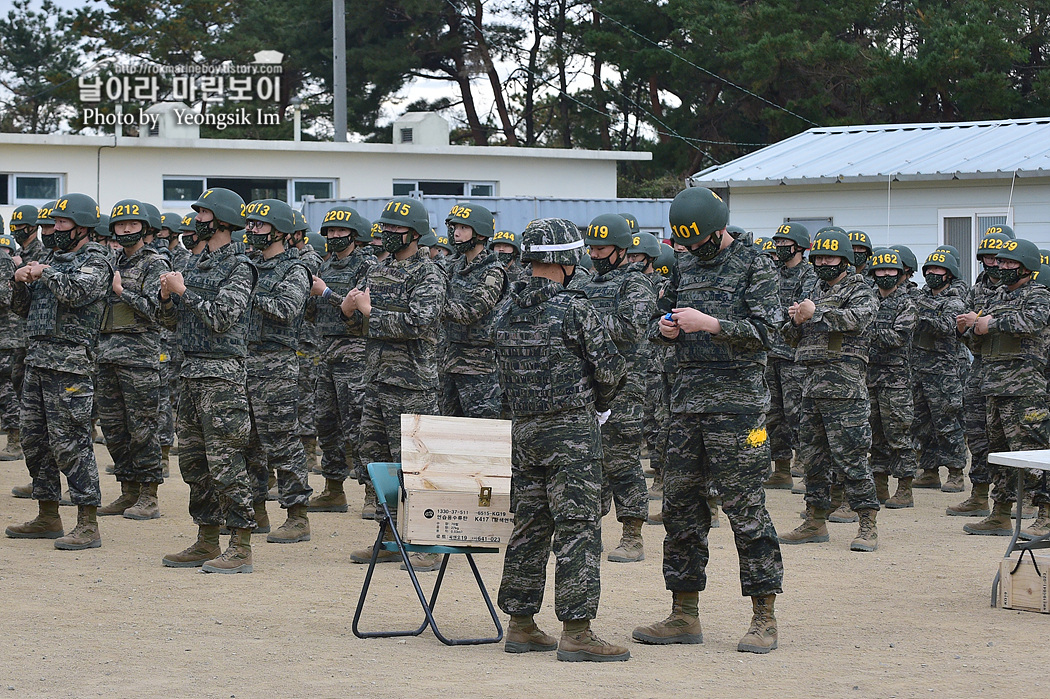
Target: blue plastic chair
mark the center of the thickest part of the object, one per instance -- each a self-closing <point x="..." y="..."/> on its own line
<point x="386" y="479"/>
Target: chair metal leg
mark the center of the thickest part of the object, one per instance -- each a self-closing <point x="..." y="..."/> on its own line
<point x="376" y="548"/>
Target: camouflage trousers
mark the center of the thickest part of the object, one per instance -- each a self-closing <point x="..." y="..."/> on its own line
<point x="274" y="442"/>
<point x="128" y="414"/>
<point x="555" y="497"/>
<point x="340" y="393"/>
<point x="168" y="398"/>
<point x="784" y="379"/>
<point x="657" y="417"/>
<point x="56" y="435"/>
<point x="380" y="436"/>
<point x="937" y="428"/>
<point x="12" y="374"/>
<point x="622" y="478"/>
<point x="731" y="453"/>
<point x="892" y="449"/>
<point x="835" y="435"/>
<point x="975" y="422"/>
<point x="1018" y="424"/>
<point x="214" y="427"/>
<point x="471" y="395"/>
<point x="309" y="370"/>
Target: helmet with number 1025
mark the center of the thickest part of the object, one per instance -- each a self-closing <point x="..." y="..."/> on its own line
<point x="552" y="240"/>
<point x="474" y="215"/>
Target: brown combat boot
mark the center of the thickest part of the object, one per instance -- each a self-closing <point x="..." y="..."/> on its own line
<point x="237" y="558"/>
<point x="656" y="490"/>
<point x="955" y="483"/>
<point x="867" y="534"/>
<point x="974" y="506"/>
<point x="46" y="525"/>
<point x="13" y="450"/>
<point x="295" y="529"/>
<point x="524" y="636"/>
<point x="813" y="531"/>
<point x="682" y="626"/>
<point x="656" y="518"/>
<point x="927" y="478"/>
<point x="882" y="486"/>
<point x="262" y="519"/>
<point x="840" y="509"/>
<point x="129" y="495"/>
<point x="331" y="499"/>
<point x="85" y="535"/>
<point x="903" y="497"/>
<point x="580" y="644"/>
<point x="365" y="555"/>
<point x="165" y="461"/>
<point x="313" y="454"/>
<point x="146" y="506"/>
<point x="630" y="549"/>
<point x="761" y="637"/>
<point x="371" y="508"/>
<point x="23" y="491"/>
<point x="204" y="549"/>
<point x="781" y="476"/>
<point x="1040" y="527"/>
<point x="996" y="524"/>
<point x="423" y="562"/>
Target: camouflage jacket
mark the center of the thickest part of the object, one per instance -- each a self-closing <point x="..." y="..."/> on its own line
<point x="891" y="332"/>
<point x="137" y="343"/>
<point x="723" y="373"/>
<point x="553" y="351"/>
<point x="80" y="293"/>
<point x="34" y="250"/>
<point x="280" y="303"/>
<point x="796" y="283"/>
<point x="978" y="297"/>
<point x="180" y="257"/>
<point x="219" y="315"/>
<point x="342" y="339"/>
<point x="474" y="290"/>
<point x="1013" y="350"/>
<point x="935" y="347"/>
<point x="407" y="297"/>
<point x="833" y="344"/>
<point x="12" y="327"/>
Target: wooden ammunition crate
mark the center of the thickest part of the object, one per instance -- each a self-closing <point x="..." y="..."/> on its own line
<point x="457" y="481"/>
<point x="1026" y="589"/>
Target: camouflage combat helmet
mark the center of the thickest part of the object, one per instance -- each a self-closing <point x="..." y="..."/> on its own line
<point x="695" y="214"/>
<point x="609" y="229"/>
<point x="552" y="240"/>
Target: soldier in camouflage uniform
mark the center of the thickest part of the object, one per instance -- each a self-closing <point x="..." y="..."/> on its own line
<point x="341" y="375"/>
<point x="862" y="250"/>
<point x="722" y="310"/>
<point x="167" y="242"/>
<point x="272" y="367"/>
<point x="476" y="284"/>
<point x="662" y="369"/>
<point x="209" y="308"/>
<point x="12" y="350"/>
<point x="401" y="307"/>
<point x="1009" y="335"/>
<point x="975" y="416"/>
<point x="889" y="381"/>
<point x="625" y="301"/>
<point x="783" y="375"/>
<point x="558" y="366"/>
<point x="129" y="366"/>
<point x="830" y="334"/>
<point x="309" y="352"/>
<point x="507" y="246"/>
<point x="62" y="302"/>
<point x="937" y="427"/>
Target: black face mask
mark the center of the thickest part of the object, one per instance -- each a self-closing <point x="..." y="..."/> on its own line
<point x="128" y="239"/>
<point x="339" y="244"/>
<point x="887" y="282"/>
<point x="828" y="272"/>
<point x="604" y="265"/>
<point x="259" y="241"/>
<point x="860" y="258"/>
<point x="65" y="240"/>
<point x="465" y="246"/>
<point x="935" y="281"/>
<point x="785" y="253"/>
<point x="395" y="242"/>
<point x="190" y="242"/>
<point x="22" y="235"/>
<point x="48" y="239"/>
<point x="203" y="229"/>
<point x="1009" y="277"/>
<point x="505" y="258"/>
<point x="992" y="271"/>
<point x="709" y="249"/>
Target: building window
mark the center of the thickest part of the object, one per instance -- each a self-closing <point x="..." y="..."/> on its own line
<point x="318" y="189"/>
<point x="443" y="188"/>
<point x="963" y="230"/>
<point x="18" y="189"/>
<point x="178" y="190"/>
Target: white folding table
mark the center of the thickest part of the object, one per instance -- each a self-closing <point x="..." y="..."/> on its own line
<point x="1037" y="459"/>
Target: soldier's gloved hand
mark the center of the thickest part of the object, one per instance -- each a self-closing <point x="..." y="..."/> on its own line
<point x="603" y="416"/>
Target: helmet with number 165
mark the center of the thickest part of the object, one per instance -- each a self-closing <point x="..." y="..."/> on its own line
<point x="695" y="214"/>
<point x="942" y="258"/>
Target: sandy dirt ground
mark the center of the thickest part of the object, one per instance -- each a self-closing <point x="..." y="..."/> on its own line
<point x="912" y="619"/>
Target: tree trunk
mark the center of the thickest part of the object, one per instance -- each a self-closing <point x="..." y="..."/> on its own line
<point x="530" y="79"/>
<point x="494" y="81"/>
<point x="599" y="95"/>
<point x="563" y="80"/>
